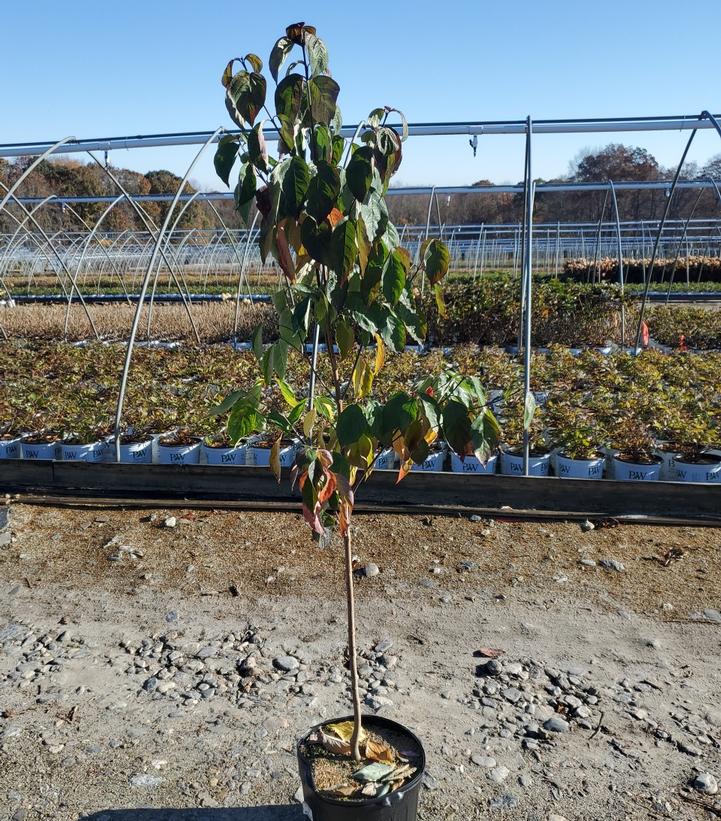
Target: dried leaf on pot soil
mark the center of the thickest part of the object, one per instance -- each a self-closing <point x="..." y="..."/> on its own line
<point x="343" y="729"/>
<point x="379" y="751"/>
<point x="489" y="652"/>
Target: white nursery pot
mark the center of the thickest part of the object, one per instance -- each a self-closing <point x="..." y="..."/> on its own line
<point x="386" y="460"/>
<point x="703" y="472"/>
<point x="178" y="454"/>
<point x="92" y="452"/>
<point x="136" y="453"/>
<point x="567" y="468"/>
<point x="261" y="456"/>
<point x="471" y="464"/>
<point x="224" y="456"/>
<point x="634" y="472"/>
<point x="668" y="464"/>
<point x="40" y="451"/>
<point x="10" y="448"/>
<point x="512" y="464"/>
<point x="433" y="462"/>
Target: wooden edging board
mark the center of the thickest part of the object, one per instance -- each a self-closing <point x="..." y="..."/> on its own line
<point x="420" y="489"/>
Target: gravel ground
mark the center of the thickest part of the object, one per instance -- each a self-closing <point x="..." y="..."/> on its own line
<point x="161" y="664"/>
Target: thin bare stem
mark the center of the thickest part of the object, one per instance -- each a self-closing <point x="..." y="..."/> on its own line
<point x="352" y="657"/>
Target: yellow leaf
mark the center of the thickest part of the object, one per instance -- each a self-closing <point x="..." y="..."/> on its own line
<point x="380" y="355"/>
<point x="379" y="751"/>
<point x="308" y="422"/>
<point x="362" y="379"/>
<point x="344" y="730"/>
<point x="275" y="459"/>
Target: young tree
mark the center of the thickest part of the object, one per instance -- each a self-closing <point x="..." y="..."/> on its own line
<point x="325" y="221"/>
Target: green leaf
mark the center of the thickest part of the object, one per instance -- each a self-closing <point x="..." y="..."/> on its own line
<point x="316" y="239"/>
<point x="280" y="51"/>
<point x="245" y="191"/>
<point x="344" y="337"/>
<point x="344" y="248"/>
<point x="245" y="97"/>
<point x="321" y="143"/>
<point x="323" y="191"/>
<point x="295" y="184"/>
<point x="287" y="393"/>
<point x="317" y="54"/>
<point x="529" y="410"/>
<point x="225" y="156"/>
<point x="394" y="277"/>
<point x="359" y="174"/>
<point x="289" y="97"/>
<point x="485" y="435"/>
<point x="436" y="259"/>
<point x="244" y="419"/>
<point x="258" y="343"/>
<point x="351" y="425"/>
<point x="226" y="404"/>
<point x="397" y="414"/>
<point x="257" y="148"/>
<point x="440" y="302"/>
<point x="456" y="426"/>
<point x="255" y="62"/>
<point x="338" y="149"/>
<point x="323" y="95"/>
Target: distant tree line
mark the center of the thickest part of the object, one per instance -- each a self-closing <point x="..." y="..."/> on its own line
<point x="615" y="162"/>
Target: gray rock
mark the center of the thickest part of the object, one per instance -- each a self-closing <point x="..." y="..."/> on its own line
<point x="371" y="570"/>
<point x="587" y="562"/>
<point x="705" y="783"/>
<point x="146" y="781"/>
<point x="483" y="760"/>
<point x="150" y="684"/>
<point x="612" y="564"/>
<point x="503" y="802"/>
<point x="170" y="521"/>
<point x="556" y="725"/>
<point x="383" y="645"/>
<point x="286" y="663"/>
<point x="587" y="526"/>
<point x="512" y="694"/>
<point x="499" y="774"/>
<point x="712" y="614"/>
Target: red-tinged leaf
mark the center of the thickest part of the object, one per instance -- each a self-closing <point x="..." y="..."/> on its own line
<point x="312" y="518"/>
<point x="335" y="216"/>
<point x="490" y="652"/>
<point x="328" y="486"/>
<point x="285" y="259"/>
<point x="405" y="469"/>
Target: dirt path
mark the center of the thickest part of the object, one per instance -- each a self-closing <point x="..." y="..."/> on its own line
<point x="125" y="681"/>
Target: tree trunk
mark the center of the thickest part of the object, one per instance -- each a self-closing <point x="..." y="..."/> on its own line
<point x="352" y="647"/>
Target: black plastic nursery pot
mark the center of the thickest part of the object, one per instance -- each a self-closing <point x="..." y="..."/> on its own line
<point x="399" y="805"/>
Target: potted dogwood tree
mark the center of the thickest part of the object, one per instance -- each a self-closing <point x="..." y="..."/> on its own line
<point x="325" y="222"/>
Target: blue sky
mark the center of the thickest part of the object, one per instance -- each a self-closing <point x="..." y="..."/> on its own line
<point x="147" y="67"/>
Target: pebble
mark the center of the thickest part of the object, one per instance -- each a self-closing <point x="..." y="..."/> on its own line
<point x="383" y="645"/>
<point x="170" y="521"/>
<point x="612" y="564"/>
<point x="587" y="526"/>
<point x="371" y="570"/>
<point x="556" y="725"/>
<point x="587" y="562"/>
<point x="286" y="663"/>
<point x="705" y="783"/>
<point x="145" y="780"/>
<point x="499" y="774"/>
<point x="483" y="760"/>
